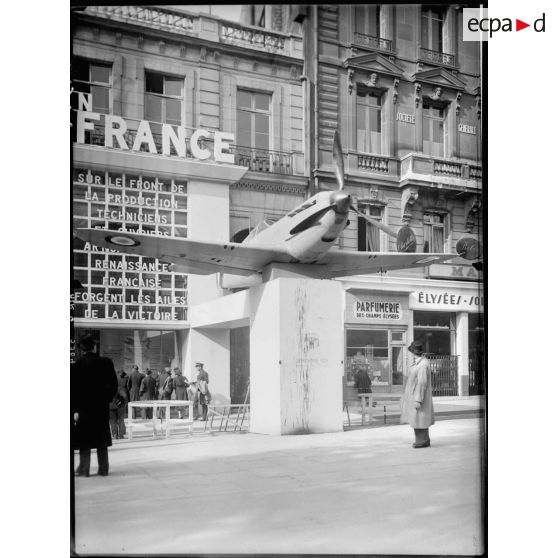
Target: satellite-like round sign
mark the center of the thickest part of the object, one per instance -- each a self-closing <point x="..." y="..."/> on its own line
<point x="122" y="240"/>
<point x="469" y="248"/>
<point x="406" y="240"/>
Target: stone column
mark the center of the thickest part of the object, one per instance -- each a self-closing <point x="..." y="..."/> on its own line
<point x="296" y="356"/>
<point x="462" y="351"/>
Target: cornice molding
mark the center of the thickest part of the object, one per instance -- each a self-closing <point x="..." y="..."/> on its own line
<point x="439" y="77"/>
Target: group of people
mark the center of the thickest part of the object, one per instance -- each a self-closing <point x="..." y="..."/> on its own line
<point x="96" y="404"/>
<point x="151" y="386"/>
<point x="100" y="396"/>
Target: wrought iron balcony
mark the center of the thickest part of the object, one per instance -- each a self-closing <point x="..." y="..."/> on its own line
<point x="437" y="57"/>
<point x="373" y="42"/>
<point x="263" y="160"/>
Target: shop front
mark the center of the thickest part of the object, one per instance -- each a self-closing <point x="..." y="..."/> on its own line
<point x="136" y="307"/>
<point x="447" y="320"/>
<point x="376" y="335"/>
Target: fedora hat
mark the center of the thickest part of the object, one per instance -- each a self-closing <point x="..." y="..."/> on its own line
<point x="416" y="348"/>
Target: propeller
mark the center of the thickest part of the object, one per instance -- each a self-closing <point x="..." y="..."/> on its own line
<point x="338" y="160"/>
<point x="406" y="239"/>
<point x="470" y="248"/>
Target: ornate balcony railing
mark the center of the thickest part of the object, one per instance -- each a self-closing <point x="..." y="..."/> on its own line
<point x="476" y="173"/>
<point x="160" y="18"/>
<point x="245" y="36"/>
<point x="447" y="168"/>
<point x="263" y="160"/>
<point x="373" y="42"/>
<point x="437" y="57"/>
<point x="373" y="163"/>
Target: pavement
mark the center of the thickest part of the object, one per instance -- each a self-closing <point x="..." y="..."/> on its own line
<point x="362" y="491"/>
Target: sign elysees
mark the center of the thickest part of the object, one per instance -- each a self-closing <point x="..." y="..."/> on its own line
<point x="116" y="128"/>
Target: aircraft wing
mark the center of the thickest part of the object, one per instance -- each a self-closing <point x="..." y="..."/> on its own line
<point x="189" y="256"/>
<point x="344" y="263"/>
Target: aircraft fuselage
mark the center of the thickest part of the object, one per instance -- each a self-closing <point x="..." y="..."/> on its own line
<point x="309" y="230"/>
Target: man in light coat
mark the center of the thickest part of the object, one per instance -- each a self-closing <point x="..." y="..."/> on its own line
<point x="417" y="409"/>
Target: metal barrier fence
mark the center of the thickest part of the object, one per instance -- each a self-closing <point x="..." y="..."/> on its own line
<point x="444" y="374"/>
<point x="228" y="418"/>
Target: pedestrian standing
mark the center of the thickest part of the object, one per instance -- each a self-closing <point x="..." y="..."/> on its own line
<point x="118" y="407"/>
<point x="204" y="394"/>
<point x="134" y="382"/>
<point x="193" y="397"/>
<point x="165" y="388"/>
<point x="180" y="389"/>
<point x="363" y="383"/>
<point x="417" y="408"/>
<point x="93" y="385"/>
<point x="148" y="392"/>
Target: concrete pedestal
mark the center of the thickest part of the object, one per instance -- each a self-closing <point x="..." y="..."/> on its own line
<point x="296" y="356"/>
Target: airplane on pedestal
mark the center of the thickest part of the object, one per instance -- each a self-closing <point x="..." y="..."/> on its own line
<point x="303" y="238"/>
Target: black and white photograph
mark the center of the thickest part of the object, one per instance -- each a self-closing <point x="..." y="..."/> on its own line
<point x="277" y="313"/>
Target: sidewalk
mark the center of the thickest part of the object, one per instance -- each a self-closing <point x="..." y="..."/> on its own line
<point x="387" y="409"/>
<point x="360" y="491"/>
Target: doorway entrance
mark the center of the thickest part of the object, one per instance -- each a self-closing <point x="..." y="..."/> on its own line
<point x="240" y="365"/>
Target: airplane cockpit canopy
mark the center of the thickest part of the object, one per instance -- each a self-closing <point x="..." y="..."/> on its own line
<point x="261" y="226"/>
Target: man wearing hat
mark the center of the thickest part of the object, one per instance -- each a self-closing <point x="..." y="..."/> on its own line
<point x="204" y="395"/>
<point x="134" y="383"/>
<point x="417" y="409"/>
<point x="164" y="387"/>
<point x="93" y="385"/>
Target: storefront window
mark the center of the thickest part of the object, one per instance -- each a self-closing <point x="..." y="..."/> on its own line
<point x="128" y="347"/>
<point x="435" y="330"/>
<point x="368" y="349"/>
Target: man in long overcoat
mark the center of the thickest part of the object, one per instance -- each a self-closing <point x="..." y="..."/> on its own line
<point x="134" y="383"/>
<point x="93" y="385"/>
<point x="164" y="388"/>
<point x="180" y="389"/>
<point x="417" y="408"/>
<point x="148" y="392"/>
<point x="204" y="395"/>
<point x="118" y="406"/>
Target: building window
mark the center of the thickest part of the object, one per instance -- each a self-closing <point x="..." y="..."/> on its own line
<point x="368" y="349"/>
<point x="432" y="24"/>
<point x="253" y="119"/>
<point x="369" y="121"/>
<point x="367" y="20"/>
<point x="433" y="129"/>
<point x="379" y="352"/>
<point x="163" y="98"/>
<point x="434" y="233"/>
<point x="94" y="78"/>
<point x="369" y="235"/>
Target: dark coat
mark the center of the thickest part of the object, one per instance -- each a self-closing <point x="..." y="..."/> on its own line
<point x="363" y="382"/>
<point x="162" y="384"/>
<point x="203" y="388"/>
<point x="148" y="391"/>
<point x="93" y="385"/>
<point x="180" y="385"/>
<point x="123" y="387"/>
<point x="134" y="382"/>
